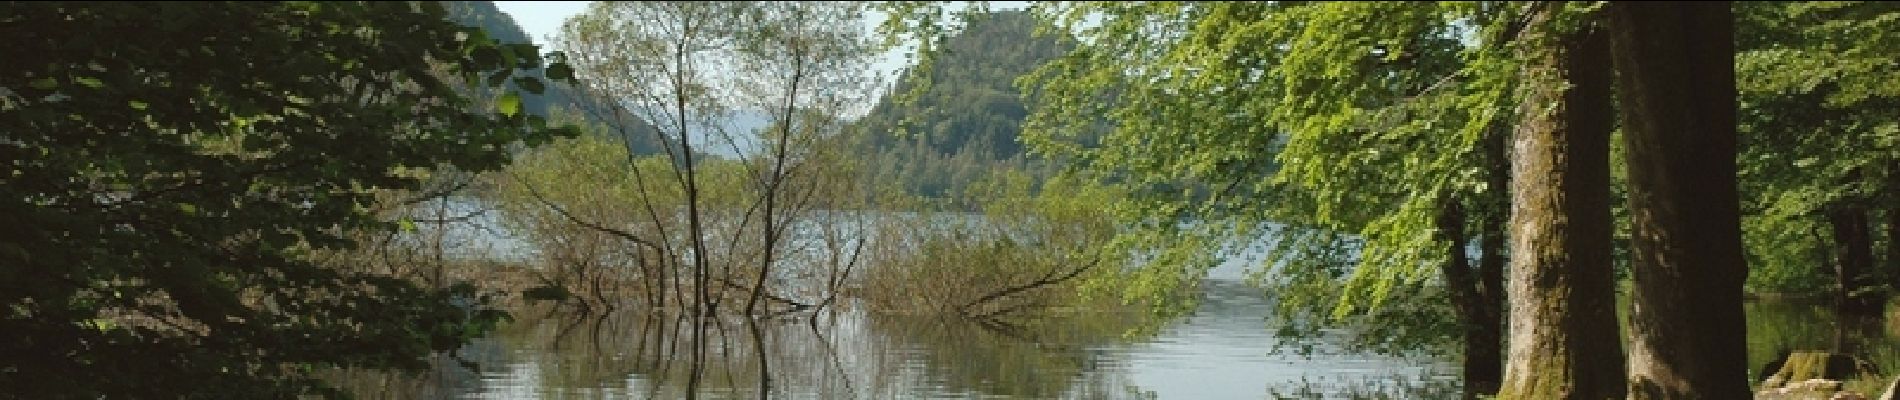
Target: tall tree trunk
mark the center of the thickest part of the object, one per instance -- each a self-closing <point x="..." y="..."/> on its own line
<point x="1484" y="343"/>
<point x="1564" y="342"/>
<point x="1497" y="213"/>
<point x="1676" y="83"/>
<point x="1893" y="222"/>
<point x="1853" y="258"/>
<point x="1481" y="369"/>
<point x="1893" y="242"/>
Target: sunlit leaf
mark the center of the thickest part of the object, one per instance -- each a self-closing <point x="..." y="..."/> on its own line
<point x="508" y="104"/>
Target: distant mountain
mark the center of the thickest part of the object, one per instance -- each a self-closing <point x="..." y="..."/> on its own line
<point x="503" y="28"/>
<point x="968" y="122"/>
<point x="969" y="119"/>
<point x="742" y="125"/>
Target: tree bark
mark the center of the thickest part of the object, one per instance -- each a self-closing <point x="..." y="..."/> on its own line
<point x="1481" y="363"/>
<point x="1853" y="258"/>
<point x="1564" y="342"/>
<point x="1498" y="212"/>
<point x="1491" y="261"/>
<point x="1893" y="242"/>
<point x="1676" y="87"/>
<point x="1893" y="222"/>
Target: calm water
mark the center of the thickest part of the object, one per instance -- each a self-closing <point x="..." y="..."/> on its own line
<point x="1779" y="326"/>
<point x="1225" y="351"/>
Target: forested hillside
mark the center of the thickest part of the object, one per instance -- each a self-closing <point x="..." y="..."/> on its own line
<point x="966" y="124"/>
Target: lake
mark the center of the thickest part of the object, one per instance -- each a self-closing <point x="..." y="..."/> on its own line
<point x="1225" y="350"/>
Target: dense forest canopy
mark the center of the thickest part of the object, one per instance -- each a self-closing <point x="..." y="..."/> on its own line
<point x="181" y="165"/>
<point x="965" y="120"/>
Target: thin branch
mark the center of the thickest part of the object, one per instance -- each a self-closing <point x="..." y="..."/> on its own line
<point x="629" y="236"/>
<point x="1044" y="281"/>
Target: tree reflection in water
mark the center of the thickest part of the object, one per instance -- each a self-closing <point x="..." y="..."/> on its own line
<point x="847" y="353"/>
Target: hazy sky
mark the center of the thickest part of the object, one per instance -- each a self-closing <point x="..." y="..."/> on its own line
<point x="541" y="19"/>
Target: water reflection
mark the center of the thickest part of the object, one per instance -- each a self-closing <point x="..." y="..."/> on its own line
<point x="1225" y="351"/>
<point x="1776" y="327"/>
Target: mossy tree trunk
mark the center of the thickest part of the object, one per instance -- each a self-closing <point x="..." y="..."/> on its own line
<point x="1564" y="342"/>
<point x="1676" y="86"/>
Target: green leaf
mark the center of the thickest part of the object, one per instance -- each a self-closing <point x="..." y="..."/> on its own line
<point x="560" y="72"/>
<point x="90" y="82"/>
<point x="486" y="56"/>
<point x="530" y="84"/>
<point x="47" y="83"/>
<point x="509" y="104"/>
<point x="525" y="54"/>
<point x="406" y="225"/>
<point x="499" y="77"/>
<point x="138" y="105"/>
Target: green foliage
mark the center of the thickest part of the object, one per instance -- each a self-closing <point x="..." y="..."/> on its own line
<point x="1344" y="124"/>
<point x="947" y="126"/>
<point x="593" y="178"/>
<point x="971" y="101"/>
<point x="690" y="67"/>
<point x="1049" y="242"/>
<point x="539" y="98"/>
<point x="173" y="165"/>
<point x="1819" y="129"/>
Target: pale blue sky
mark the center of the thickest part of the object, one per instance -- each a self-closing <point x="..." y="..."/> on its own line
<point x="541" y="19"/>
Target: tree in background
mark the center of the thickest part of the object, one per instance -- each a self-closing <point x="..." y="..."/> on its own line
<point x="1362" y="138"/>
<point x="173" y="165"/>
<point x="1180" y="102"/>
<point x="1820" y="143"/>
